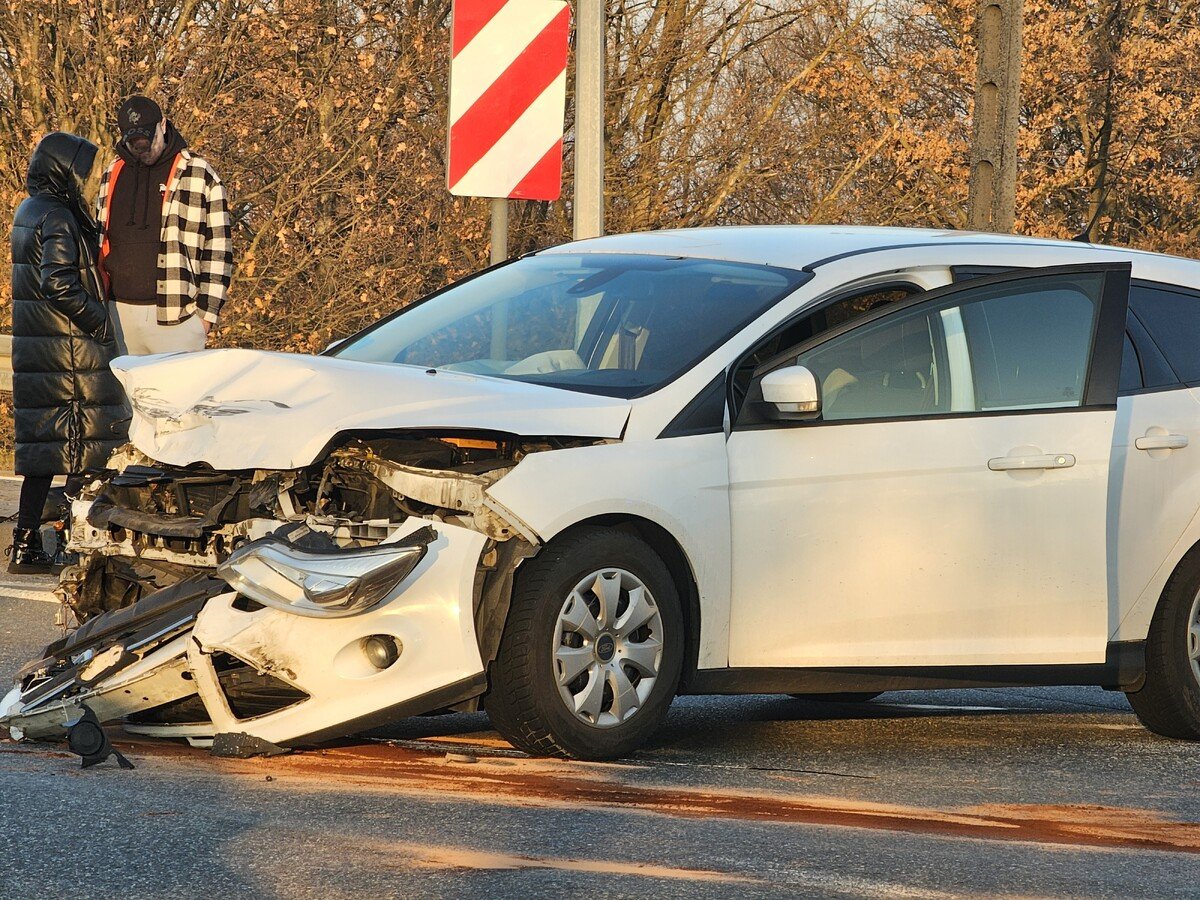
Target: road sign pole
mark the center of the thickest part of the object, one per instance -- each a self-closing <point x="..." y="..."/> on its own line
<point x="499" y="230"/>
<point x="589" y="118"/>
<point x="499" y="346"/>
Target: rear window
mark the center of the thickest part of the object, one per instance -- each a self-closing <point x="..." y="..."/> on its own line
<point x="1131" y="370"/>
<point x="1173" y="320"/>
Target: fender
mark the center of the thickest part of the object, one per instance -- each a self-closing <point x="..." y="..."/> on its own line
<point x="1135" y="624"/>
<point x="550" y="492"/>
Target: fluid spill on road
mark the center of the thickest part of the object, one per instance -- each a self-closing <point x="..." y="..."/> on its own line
<point x="552" y="782"/>
<point x="435" y="857"/>
<point x="542" y="782"/>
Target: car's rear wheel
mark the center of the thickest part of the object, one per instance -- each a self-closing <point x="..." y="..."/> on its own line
<point x="1169" y="701"/>
<point x="845" y="697"/>
<point x="592" y="650"/>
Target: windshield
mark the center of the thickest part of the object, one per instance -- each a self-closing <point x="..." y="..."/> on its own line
<point x="614" y="324"/>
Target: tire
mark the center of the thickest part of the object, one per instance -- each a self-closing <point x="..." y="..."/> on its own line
<point x="544" y="642"/>
<point x="1169" y="701"/>
<point x="847" y="697"/>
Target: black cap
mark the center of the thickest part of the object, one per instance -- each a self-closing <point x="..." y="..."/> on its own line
<point x="138" y="115"/>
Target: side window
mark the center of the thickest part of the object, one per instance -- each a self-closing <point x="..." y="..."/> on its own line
<point x="1156" y="373"/>
<point x="1131" y="369"/>
<point x="1009" y="346"/>
<point x="1031" y="348"/>
<point x="825" y="318"/>
<point x="1143" y="364"/>
<point x="814" y="323"/>
<point x="852" y="307"/>
<point x="883" y="369"/>
<point x="1173" y="320"/>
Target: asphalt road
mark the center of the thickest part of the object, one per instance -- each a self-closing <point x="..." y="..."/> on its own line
<point x="1054" y="792"/>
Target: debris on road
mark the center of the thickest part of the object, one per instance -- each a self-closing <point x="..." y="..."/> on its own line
<point x="244" y="746"/>
<point x="86" y="738"/>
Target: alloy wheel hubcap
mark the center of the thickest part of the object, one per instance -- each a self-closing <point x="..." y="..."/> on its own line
<point x="608" y="644"/>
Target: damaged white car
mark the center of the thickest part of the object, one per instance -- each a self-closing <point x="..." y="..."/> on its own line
<point x="814" y="461"/>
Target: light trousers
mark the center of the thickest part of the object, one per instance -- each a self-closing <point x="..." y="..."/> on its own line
<point x="139" y="332"/>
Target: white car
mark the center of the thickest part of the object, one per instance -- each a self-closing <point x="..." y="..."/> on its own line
<point x="799" y="460"/>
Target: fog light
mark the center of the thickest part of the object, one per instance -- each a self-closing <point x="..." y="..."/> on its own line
<point x="381" y="650"/>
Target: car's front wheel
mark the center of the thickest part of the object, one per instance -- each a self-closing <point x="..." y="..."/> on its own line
<point x="1169" y="702"/>
<point x="592" y="649"/>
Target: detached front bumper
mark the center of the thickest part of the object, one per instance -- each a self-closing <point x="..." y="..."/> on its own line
<point x="214" y="662"/>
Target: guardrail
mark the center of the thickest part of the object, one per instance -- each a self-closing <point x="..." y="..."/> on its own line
<point x="6" y="363"/>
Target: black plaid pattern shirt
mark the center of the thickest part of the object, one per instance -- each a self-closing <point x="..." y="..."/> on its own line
<point x="195" y="256"/>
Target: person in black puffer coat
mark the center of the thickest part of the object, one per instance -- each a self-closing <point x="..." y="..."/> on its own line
<point x="70" y="411"/>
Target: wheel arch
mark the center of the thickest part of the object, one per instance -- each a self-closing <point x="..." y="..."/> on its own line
<point x="1189" y="560"/>
<point x="683" y="574"/>
<point x="1135" y="622"/>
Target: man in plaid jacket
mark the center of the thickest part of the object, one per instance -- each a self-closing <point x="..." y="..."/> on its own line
<point x="165" y="250"/>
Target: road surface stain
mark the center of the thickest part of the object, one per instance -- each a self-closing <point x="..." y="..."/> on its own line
<point x="434" y="857"/>
<point x="562" y="784"/>
<point x="405" y="856"/>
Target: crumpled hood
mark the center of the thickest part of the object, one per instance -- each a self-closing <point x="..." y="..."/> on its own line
<point x="250" y="409"/>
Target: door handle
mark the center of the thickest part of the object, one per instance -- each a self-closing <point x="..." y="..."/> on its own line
<point x="1041" y="461"/>
<point x="1161" y="442"/>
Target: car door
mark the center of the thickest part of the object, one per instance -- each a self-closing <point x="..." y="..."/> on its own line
<point x="948" y="504"/>
<point x="1155" y="466"/>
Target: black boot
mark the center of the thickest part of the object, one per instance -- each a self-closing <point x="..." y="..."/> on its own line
<point x="26" y="555"/>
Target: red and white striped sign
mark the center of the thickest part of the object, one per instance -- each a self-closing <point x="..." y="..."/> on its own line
<point x="508" y="88"/>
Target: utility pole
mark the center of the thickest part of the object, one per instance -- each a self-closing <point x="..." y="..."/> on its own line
<point x="589" y="118"/>
<point x="993" y="191"/>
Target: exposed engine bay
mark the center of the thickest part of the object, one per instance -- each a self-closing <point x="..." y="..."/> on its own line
<point x="148" y="525"/>
<point x="270" y="609"/>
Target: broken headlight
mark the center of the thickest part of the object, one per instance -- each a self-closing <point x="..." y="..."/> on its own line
<point x="328" y="583"/>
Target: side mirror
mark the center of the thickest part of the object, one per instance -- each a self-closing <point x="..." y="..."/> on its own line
<point x="793" y="391"/>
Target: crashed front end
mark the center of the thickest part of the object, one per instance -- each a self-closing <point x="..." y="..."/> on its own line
<point x="286" y="607"/>
<point x="147" y="525"/>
